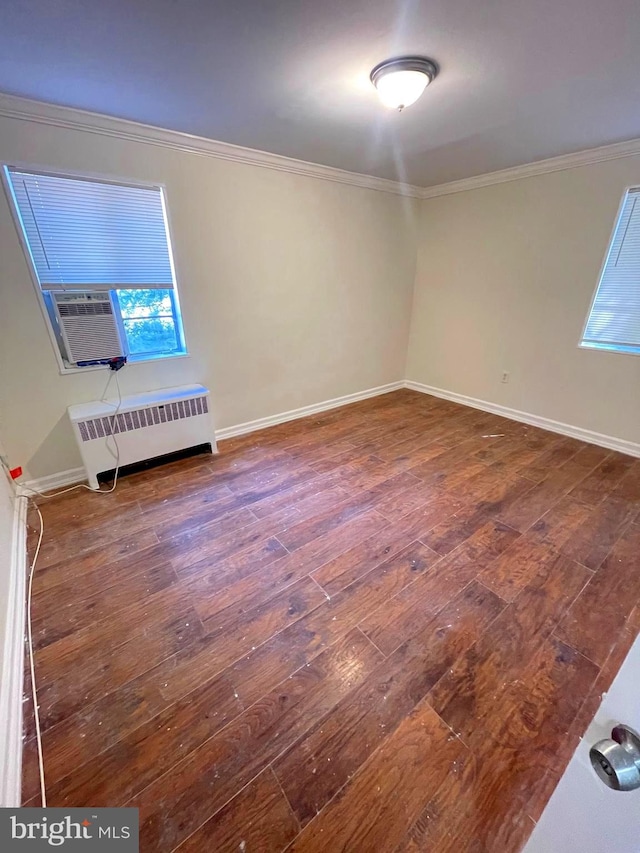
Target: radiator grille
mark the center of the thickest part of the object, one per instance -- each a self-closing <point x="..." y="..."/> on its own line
<point x="142" y="418"/>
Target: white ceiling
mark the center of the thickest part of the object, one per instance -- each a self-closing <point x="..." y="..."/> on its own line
<point x="520" y="80"/>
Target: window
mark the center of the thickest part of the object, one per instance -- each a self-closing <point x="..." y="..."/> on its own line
<point x="82" y="235"/>
<point x="614" y="318"/>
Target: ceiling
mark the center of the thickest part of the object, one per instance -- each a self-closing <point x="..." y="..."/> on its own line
<point x="520" y="80"/>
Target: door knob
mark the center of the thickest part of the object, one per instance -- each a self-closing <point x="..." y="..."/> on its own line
<point x="617" y="760"/>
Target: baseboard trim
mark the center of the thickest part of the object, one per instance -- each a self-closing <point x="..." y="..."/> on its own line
<point x="56" y="481"/>
<point x="78" y="475"/>
<point x="11" y="686"/>
<point x="305" y="411"/>
<point x="631" y="448"/>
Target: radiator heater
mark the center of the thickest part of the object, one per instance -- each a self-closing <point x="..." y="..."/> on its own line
<point x="146" y="426"/>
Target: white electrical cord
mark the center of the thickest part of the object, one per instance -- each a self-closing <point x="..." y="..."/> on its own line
<point x="34" y="689"/>
<point x="115" y="455"/>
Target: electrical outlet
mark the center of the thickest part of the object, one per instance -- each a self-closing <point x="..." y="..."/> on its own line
<point x="505" y="377"/>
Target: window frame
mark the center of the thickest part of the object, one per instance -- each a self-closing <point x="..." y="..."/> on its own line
<point x="64" y="368"/>
<point x="608" y="348"/>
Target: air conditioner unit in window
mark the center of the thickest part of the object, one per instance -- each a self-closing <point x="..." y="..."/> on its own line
<point x="88" y="326"/>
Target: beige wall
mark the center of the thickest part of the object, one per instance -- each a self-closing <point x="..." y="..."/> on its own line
<point x="297" y="290"/>
<point x="294" y="290"/>
<point x="504" y="279"/>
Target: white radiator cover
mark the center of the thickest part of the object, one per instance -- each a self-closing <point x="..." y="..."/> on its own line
<point x="147" y="425"/>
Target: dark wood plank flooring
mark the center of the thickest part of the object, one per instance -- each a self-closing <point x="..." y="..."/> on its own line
<point x="383" y="628"/>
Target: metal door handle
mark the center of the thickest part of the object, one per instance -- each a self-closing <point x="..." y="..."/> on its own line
<point x="617" y="760"/>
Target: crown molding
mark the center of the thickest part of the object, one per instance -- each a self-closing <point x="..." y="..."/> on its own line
<point x="40" y="112"/>
<point x="26" y="109"/>
<point x="541" y="167"/>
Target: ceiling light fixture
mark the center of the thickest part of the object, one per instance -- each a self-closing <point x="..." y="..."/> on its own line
<point x="400" y="82"/>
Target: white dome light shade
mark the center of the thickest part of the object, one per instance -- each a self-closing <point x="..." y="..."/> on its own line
<point x="399" y="89"/>
<point x="400" y="82"/>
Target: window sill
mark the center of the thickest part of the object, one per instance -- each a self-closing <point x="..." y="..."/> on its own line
<point x="615" y="350"/>
<point x="68" y="371"/>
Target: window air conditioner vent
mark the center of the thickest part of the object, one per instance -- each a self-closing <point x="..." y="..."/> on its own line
<point x="88" y="326"/>
<point x="88" y="309"/>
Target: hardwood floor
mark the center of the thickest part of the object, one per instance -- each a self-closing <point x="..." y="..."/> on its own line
<point x="383" y="628"/>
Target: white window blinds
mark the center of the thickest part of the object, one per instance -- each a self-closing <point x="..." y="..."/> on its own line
<point x="614" y="319"/>
<point x="92" y="235"/>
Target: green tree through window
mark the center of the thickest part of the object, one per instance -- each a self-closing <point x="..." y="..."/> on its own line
<point x="150" y="321"/>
